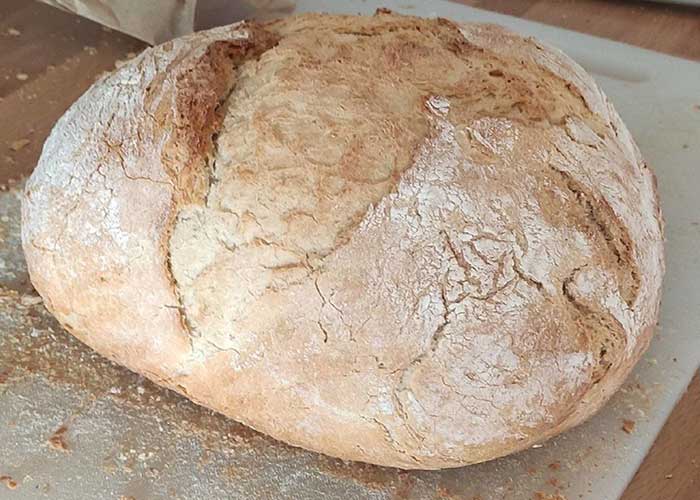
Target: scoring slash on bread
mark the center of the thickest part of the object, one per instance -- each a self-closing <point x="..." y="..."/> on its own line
<point x="397" y="240"/>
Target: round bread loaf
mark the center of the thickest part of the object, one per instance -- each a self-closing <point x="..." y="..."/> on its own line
<point x="397" y="240"/>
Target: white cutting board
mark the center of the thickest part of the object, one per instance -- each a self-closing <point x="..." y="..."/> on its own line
<point x="658" y="97"/>
<point x="128" y="438"/>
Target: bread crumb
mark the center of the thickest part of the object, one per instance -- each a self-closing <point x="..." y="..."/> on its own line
<point x="22" y="76"/>
<point x="442" y="492"/>
<point x="669" y="476"/>
<point x="19" y="144"/>
<point x="28" y="300"/>
<point x="628" y="426"/>
<point x="8" y="482"/>
<point x="535" y="446"/>
<point x="140" y="390"/>
<point x="57" y="441"/>
<point x="13" y="32"/>
<point x="545" y="496"/>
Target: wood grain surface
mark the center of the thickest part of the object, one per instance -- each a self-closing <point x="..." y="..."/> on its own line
<point x="669" y="28"/>
<point x="48" y="58"/>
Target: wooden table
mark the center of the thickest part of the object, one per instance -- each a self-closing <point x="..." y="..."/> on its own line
<point x="48" y="58"/>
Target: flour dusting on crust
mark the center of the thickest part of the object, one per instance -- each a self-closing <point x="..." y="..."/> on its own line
<point x="388" y="239"/>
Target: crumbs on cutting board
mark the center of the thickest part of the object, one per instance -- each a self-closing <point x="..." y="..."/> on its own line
<point x="374" y="477"/>
<point x="444" y="493"/>
<point x="8" y="482"/>
<point x="57" y="440"/>
<point x="628" y="426"/>
<point x="539" y="495"/>
<point x="639" y="398"/>
<point x="29" y="300"/>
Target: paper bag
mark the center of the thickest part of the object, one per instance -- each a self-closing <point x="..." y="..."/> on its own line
<point x="156" y="21"/>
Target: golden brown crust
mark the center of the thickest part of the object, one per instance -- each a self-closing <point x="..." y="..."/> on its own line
<point x="388" y="239"/>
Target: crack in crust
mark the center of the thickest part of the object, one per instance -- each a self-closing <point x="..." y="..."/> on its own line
<point x="604" y="221"/>
<point x="202" y="93"/>
<point x="603" y="328"/>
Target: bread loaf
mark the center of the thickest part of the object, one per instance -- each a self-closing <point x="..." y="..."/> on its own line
<point x="397" y="240"/>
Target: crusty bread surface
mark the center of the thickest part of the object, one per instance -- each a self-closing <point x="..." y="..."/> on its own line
<point x="403" y="241"/>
